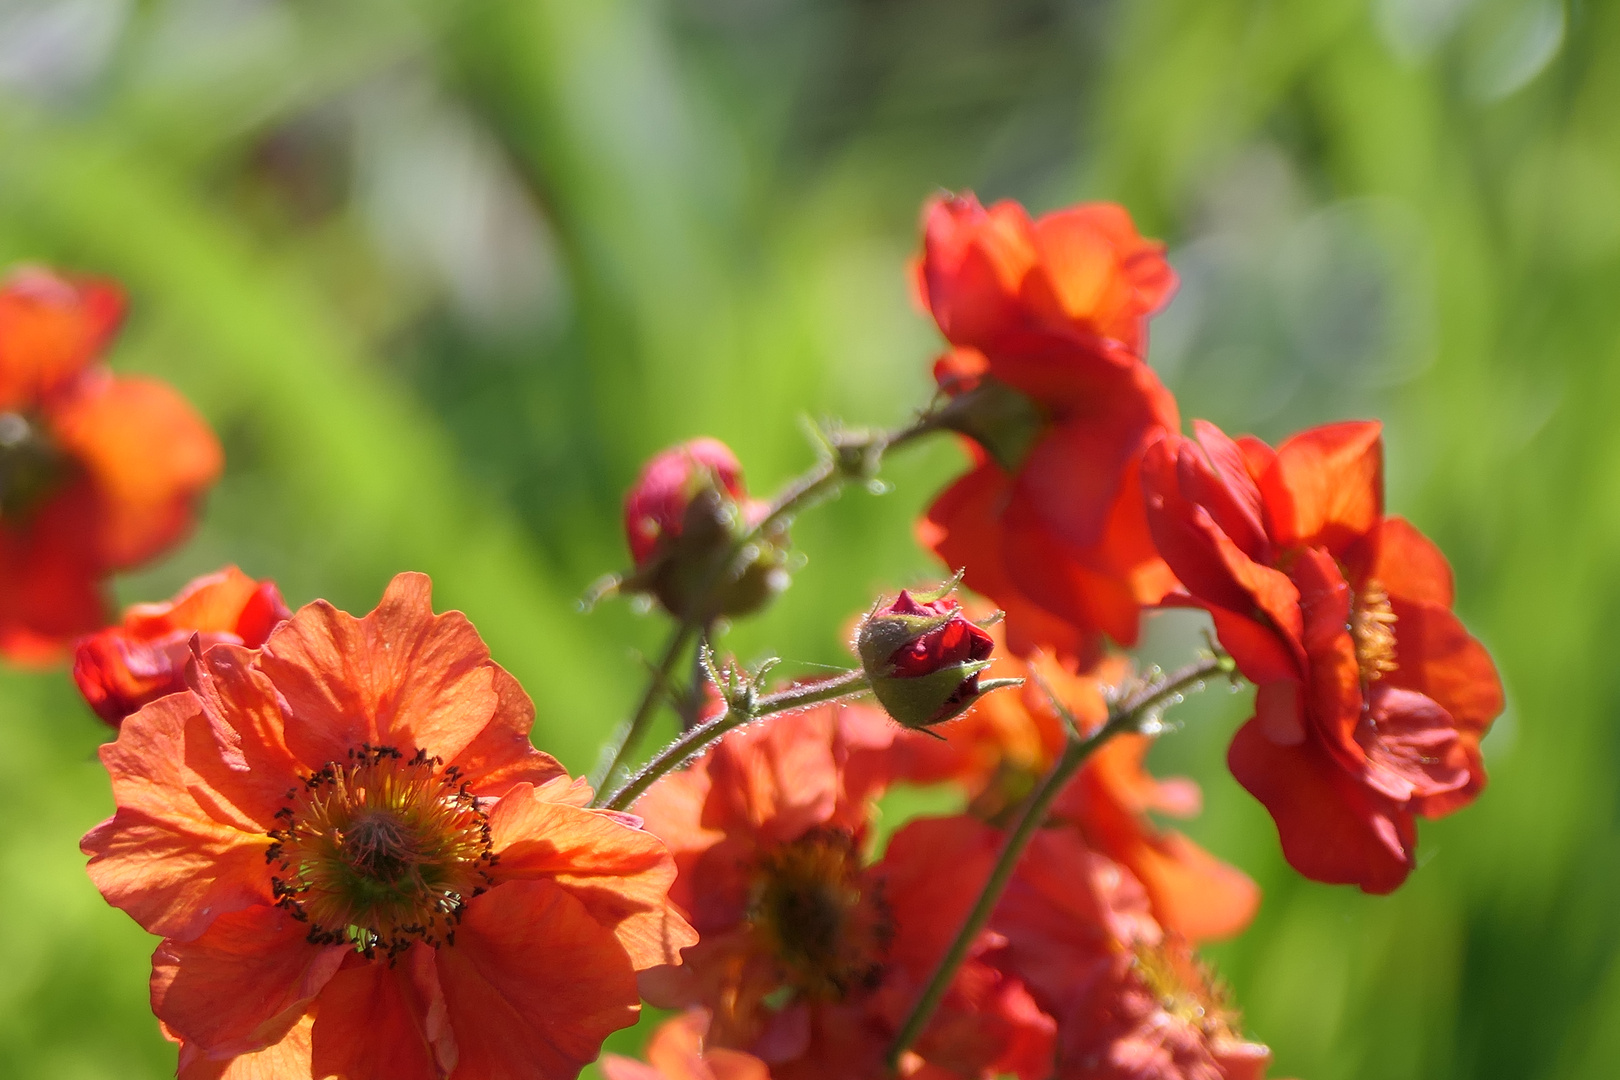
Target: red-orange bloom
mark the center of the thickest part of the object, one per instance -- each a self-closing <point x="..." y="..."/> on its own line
<point x="677" y="1052"/>
<point x="811" y="956"/>
<point x="1372" y="698"/>
<point x="361" y="867"/>
<point x="1131" y="1002"/>
<point x="1000" y="750"/>
<point x="1048" y="322"/>
<point x="97" y="473"/>
<point x="124" y="667"/>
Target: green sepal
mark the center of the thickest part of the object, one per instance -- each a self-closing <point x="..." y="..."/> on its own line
<point x="918" y="702"/>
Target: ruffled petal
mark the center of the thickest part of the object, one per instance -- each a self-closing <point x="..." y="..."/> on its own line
<point x="400" y="677"/>
<point x="533" y="984"/>
<point x="147" y="454"/>
<point x="501" y="756"/>
<point x="621" y="874"/>
<point x="244" y="983"/>
<point x="180" y="850"/>
<point x="1332" y="828"/>
<point x="1413" y="749"/>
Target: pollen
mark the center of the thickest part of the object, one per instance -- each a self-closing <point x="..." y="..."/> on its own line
<point x="826" y="925"/>
<point x="1186" y="988"/>
<point x="380" y="851"/>
<point x="1372" y="628"/>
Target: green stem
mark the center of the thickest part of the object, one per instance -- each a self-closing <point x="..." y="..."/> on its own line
<point x="656" y="687"/>
<point x="1123" y="717"/>
<point x="693" y="742"/>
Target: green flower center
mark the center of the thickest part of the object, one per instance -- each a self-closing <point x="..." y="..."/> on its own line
<point x="380" y="852"/>
<point x="30" y="467"/>
<point x="827" y="927"/>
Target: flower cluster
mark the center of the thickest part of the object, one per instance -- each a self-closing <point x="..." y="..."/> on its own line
<point x="360" y="866"/>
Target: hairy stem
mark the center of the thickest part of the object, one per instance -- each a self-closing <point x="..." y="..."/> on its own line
<point x="693" y="742"/>
<point x="1125" y="716"/>
<point x="657" y="684"/>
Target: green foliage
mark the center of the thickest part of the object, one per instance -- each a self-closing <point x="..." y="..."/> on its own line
<point x="442" y="274"/>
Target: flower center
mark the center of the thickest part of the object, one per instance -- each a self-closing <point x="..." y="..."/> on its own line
<point x="380" y="852"/>
<point x="825" y="926"/>
<point x="1185" y="988"/>
<point x="30" y="466"/>
<point x="1372" y="628"/>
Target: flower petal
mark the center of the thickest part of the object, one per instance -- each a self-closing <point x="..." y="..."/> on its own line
<point x="244" y="983"/>
<point x="384" y="1020"/>
<point x="620" y="874"/>
<point x="400" y="677"/>
<point x="50" y="330"/>
<point x="1332" y="828"/>
<point x="180" y="850"/>
<point x="287" y="1057"/>
<point x="1326" y="487"/>
<point x="148" y="456"/>
<point x="1408" y="565"/>
<point x="533" y="984"/>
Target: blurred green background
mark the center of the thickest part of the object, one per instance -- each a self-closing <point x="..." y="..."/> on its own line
<point x="443" y="273"/>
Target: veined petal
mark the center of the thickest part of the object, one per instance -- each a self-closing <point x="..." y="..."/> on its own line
<point x="401" y="677"/>
<point x="180" y="850"/>
<point x="287" y="1057"/>
<point x="384" y="1021"/>
<point x="198" y="986"/>
<point x="620" y="874"/>
<point x="533" y="984"/>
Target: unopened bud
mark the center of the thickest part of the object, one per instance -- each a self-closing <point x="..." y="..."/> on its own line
<point x="683" y="520"/>
<point x="923" y="657"/>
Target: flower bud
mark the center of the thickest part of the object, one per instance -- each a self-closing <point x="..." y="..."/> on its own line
<point x="124" y="667"/>
<point x="683" y="520"/>
<point x="923" y="657"/>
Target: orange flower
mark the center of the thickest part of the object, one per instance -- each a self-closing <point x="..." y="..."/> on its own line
<point x="1001" y="749"/>
<point x="1048" y="322"/>
<point x="124" y="667"/>
<point x="1372" y="698"/>
<point x="1131" y="1002"/>
<point x="677" y="1052"/>
<point x="361" y="867"/>
<point x="97" y="473"/>
<point x="811" y="956"/>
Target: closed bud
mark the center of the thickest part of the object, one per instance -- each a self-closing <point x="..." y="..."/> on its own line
<point x="684" y="519"/>
<point x="923" y="657"/>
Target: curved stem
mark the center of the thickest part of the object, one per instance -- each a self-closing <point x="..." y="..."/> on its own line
<point x="1123" y="717"/>
<point x="693" y="742"/>
<point x="656" y="686"/>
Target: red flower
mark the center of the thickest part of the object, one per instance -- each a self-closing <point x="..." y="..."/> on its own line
<point x="656" y="507"/>
<point x="1048" y="319"/>
<point x="677" y="1052"/>
<point x="125" y="667"/>
<point x="1001" y="749"/>
<point x="1372" y="698"/>
<point x="361" y="867"/>
<point x="97" y="473"/>
<point x="811" y="956"/>
<point x="923" y="658"/>
<point x="1131" y="1002"/>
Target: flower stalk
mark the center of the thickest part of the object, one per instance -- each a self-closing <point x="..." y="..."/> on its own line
<point x="742" y="708"/>
<point x="1129" y="715"/>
